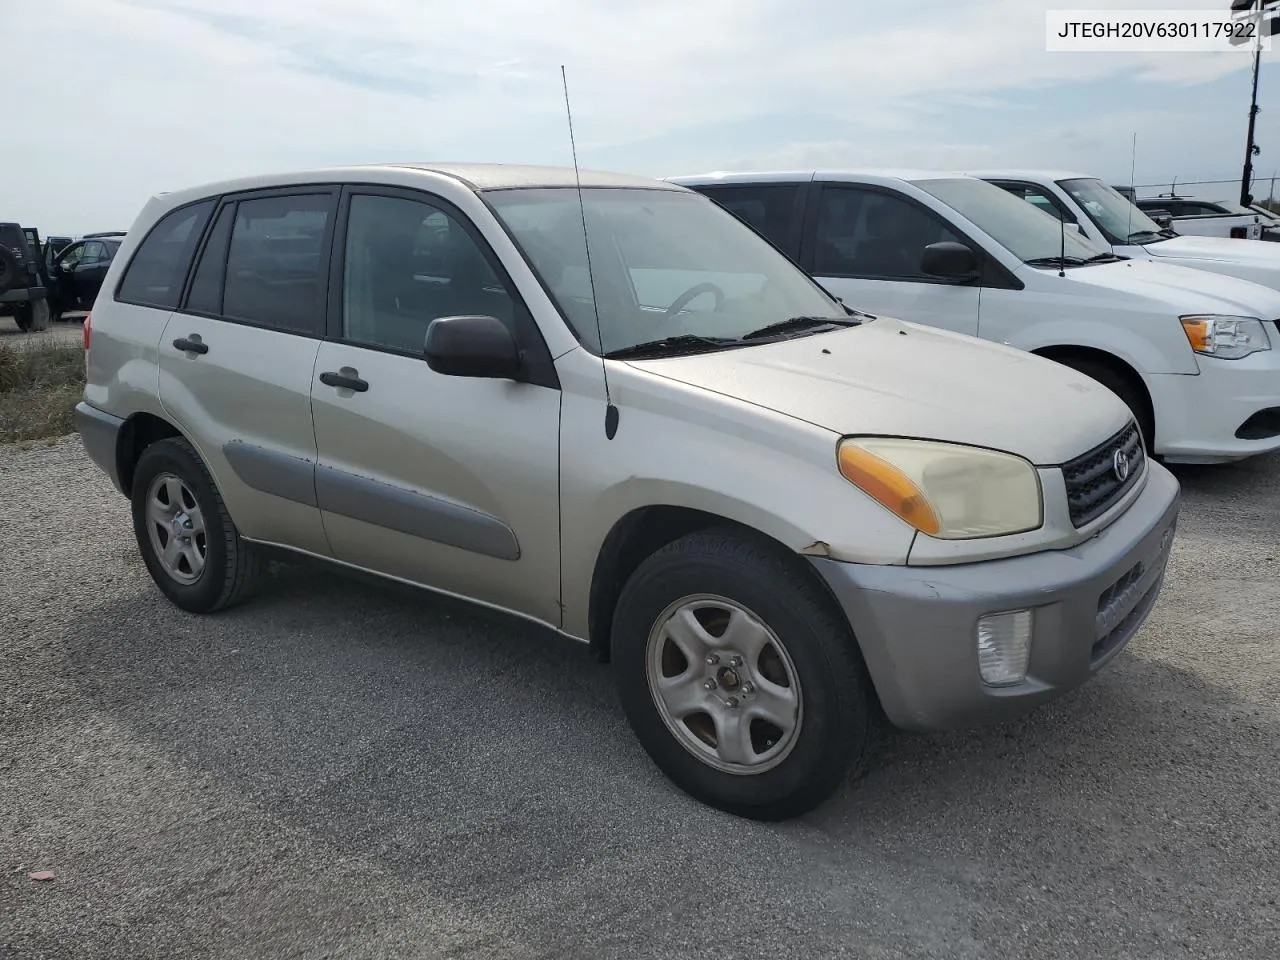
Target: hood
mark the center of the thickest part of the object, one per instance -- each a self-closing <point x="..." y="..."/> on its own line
<point x="1181" y="288"/>
<point x="900" y="379"/>
<point x="1254" y="258"/>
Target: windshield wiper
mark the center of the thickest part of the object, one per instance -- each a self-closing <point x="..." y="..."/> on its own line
<point x="800" y="323"/>
<point x="684" y="343"/>
<point x="1104" y="257"/>
<point x="1137" y="235"/>
<point x="1054" y="261"/>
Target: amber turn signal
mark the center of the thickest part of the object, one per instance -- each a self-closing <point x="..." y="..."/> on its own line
<point x="889" y="487"/>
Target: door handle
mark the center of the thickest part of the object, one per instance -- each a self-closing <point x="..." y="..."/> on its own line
<point x="192" y="344"/>
<point x="345" y="379"/>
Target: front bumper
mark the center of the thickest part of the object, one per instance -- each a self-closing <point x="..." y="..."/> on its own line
<point x="1197" y="416"/>
<point x="917" y="625"/>
<point x="100" y="433"/>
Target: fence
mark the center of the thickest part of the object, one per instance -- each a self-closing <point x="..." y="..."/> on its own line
<point x="1265" y="189"/>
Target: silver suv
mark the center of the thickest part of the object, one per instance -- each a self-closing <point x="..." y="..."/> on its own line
<point x="613" y="410"/>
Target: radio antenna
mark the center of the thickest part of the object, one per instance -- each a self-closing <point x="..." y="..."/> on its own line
<point x="1133" y="172"/>
<point x="1062" y="245"/>
<point x="610" y="411"/>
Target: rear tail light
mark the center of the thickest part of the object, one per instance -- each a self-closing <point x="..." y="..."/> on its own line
<point x="88" y="330"/>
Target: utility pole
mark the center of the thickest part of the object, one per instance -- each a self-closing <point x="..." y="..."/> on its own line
<point x="1263" y="27"/>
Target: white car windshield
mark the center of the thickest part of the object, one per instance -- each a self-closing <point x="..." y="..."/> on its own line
<point x="1031" y="235"/>
<point x="1118" y="219"/>
<point x="663" y="264"/>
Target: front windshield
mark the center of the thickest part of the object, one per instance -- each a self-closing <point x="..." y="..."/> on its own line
<point x="1028" y="233"/>
<point x="1119" y="220"/>
<point x="664" y="263"/>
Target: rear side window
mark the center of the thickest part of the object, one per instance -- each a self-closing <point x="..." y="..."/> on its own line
<point x="1202" y="210"/>
<point x="155" y="275"/>
<point x="276" y="268"/>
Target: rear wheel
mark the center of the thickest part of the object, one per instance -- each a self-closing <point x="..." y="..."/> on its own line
<point x="188" y="541"/>
<point x="32" y="316"/>
<point x="1122" y="385"/>
<point x="739" y="677"/>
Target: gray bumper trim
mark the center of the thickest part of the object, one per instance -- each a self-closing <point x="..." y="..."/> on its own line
<point x="916" y="625"/>
<point x="100" y="432"/>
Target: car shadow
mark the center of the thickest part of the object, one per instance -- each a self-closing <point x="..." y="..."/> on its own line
<point x="494" y="761"/>
<point x="1230" y="478"/>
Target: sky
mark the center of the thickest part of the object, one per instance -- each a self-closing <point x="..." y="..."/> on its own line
<point x="136" y="97"/>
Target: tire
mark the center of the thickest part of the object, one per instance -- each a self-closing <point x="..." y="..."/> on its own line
<point x="215" y="569"/>
<point x="1122" y="386"/>
<point x="22" y="317"/>
<point x="720" y="576"/>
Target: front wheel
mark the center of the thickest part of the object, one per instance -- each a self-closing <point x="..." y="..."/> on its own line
<point x="188" y="541"/>
<point x="739" y="676"/>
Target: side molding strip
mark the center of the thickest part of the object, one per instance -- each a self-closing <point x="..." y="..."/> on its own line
<point x="278" y="474"/>
<point x="416" y="514"/>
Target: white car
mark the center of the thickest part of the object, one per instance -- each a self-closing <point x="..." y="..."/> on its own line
<point x="1206" y="218"/>
<point x="1190" y="352"/>
<point x="1106" y="217"/>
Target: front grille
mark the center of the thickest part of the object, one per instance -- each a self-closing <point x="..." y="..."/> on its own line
<point x="1094" y="479"/>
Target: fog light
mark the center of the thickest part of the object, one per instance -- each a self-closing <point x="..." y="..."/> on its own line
<point x="1004" y="647"/>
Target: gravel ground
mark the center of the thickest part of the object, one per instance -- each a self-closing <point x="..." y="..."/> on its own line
<point x="70" y="330"/>
<point x="341" y="770"/>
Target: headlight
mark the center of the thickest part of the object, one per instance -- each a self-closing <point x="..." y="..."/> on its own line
<point x="1228" y="338"/>
<point x="946" y="490"/>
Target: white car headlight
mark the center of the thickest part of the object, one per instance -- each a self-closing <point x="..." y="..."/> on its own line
<point x="946" y="490"/>
<point x="1227" y="338"/>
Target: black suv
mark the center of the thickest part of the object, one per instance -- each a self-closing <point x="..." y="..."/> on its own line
<point x="24" y="285"/>
<point x="76" y="271"/>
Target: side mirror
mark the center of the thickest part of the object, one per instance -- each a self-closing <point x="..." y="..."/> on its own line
<point x="1072" y="225"/>
<point x="472" y="347"/>
<point x="950" y="260"/>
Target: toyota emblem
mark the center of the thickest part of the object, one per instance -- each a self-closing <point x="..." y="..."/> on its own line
<point x="1120" y="464"/>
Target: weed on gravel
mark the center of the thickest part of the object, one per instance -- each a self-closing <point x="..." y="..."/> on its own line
<point x="40" y="385"/>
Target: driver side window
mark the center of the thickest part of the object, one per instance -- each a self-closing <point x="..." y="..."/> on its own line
<point x="72" y="255"/>
<point x="93" y="252"/>
<point x="866" y="233"/>
<point x="407" y="263"/>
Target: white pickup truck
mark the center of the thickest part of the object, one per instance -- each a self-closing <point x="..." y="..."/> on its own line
<point x="1196" y="356"/>
<point x="1103" y="215"/>
<point x="1206" y="218"/>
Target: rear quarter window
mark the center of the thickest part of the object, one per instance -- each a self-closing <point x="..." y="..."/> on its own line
<point x="155" y="275"/>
